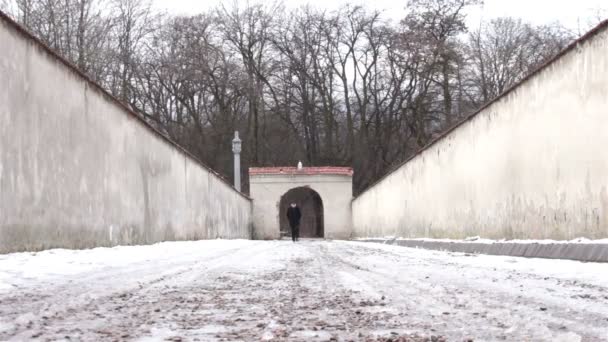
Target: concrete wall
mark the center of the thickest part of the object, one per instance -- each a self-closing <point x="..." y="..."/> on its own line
<point x="78" y="170"/>
<point x="533" y="164"/>
<point x="335" y="191"/>
<point x="590" y="252"/>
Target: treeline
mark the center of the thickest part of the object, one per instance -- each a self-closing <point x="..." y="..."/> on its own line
<point x="329" y="88"/>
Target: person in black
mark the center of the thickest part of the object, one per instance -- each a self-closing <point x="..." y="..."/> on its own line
<point x="294" y="215"/>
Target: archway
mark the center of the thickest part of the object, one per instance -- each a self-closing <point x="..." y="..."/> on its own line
<point x="311" y="205"/>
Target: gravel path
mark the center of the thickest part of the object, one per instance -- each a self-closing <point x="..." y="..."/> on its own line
<point x="309" y="291"/>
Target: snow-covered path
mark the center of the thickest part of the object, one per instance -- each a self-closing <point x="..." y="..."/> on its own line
<point x="313" y="290"/>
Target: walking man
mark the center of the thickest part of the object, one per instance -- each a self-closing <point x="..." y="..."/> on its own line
<point x="294" y="215"/>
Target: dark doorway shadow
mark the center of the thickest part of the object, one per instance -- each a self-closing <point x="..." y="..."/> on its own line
<point x="311" y="205"/>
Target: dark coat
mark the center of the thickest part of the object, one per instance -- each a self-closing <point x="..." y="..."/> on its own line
<point x="294" y="215"/>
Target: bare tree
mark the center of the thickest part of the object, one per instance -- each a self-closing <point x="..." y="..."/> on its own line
<point x="504" y="50"/>
<point x="342" y="87"/>
<point x="438" y="23"/>
<point x="133" y="23"/>
<point x="246" y="30"/>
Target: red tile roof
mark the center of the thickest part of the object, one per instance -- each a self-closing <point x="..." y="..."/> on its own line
<point x="292" y="170"/>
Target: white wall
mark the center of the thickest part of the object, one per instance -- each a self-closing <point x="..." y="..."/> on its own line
<point x="77" y="170"/>
<point x="534" y="164"/>
<point x="335" y="192"/>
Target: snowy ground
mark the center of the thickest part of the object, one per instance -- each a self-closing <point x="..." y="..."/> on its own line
<point x="313" y="290"/>
<point x="477" y="239"/>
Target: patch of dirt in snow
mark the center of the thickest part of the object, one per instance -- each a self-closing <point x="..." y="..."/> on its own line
<point x="273" y="306"/>
<point x="300" y="301"/>
<point x="310" y="291"/>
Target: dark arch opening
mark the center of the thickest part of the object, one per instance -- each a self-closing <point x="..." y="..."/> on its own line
<point x="311" y="205"/>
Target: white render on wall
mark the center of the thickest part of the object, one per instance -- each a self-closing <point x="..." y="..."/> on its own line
<point x="77" y="170"/>
<point x="335" y="192"/>
<point x="532" y="165"/>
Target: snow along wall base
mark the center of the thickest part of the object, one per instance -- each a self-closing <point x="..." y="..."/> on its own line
<point x="78" y="169"/>
<point x="591" y="252"/>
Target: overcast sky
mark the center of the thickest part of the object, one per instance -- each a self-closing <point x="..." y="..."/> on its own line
<point x="568" y="12"/>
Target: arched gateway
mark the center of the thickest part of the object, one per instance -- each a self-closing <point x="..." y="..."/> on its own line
<point x="324" y="195"/>
<point x="311" y="206"/>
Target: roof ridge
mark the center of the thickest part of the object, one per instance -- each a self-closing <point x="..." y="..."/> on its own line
<point x="307" y="170"/>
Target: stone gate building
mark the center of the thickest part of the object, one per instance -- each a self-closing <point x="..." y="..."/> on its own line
<point x="324" y="195"/>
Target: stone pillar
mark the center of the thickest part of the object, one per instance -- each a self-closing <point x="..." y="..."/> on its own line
<point x="236" y="149"/>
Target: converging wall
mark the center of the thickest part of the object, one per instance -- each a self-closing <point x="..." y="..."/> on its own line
<point x="78" y="170"/>
<point x="532" y="164"/>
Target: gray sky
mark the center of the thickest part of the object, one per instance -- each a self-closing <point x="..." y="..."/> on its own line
<point x="572" y="13"/>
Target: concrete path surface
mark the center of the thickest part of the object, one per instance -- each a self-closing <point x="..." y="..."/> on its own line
<point x="310" y="291"/>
